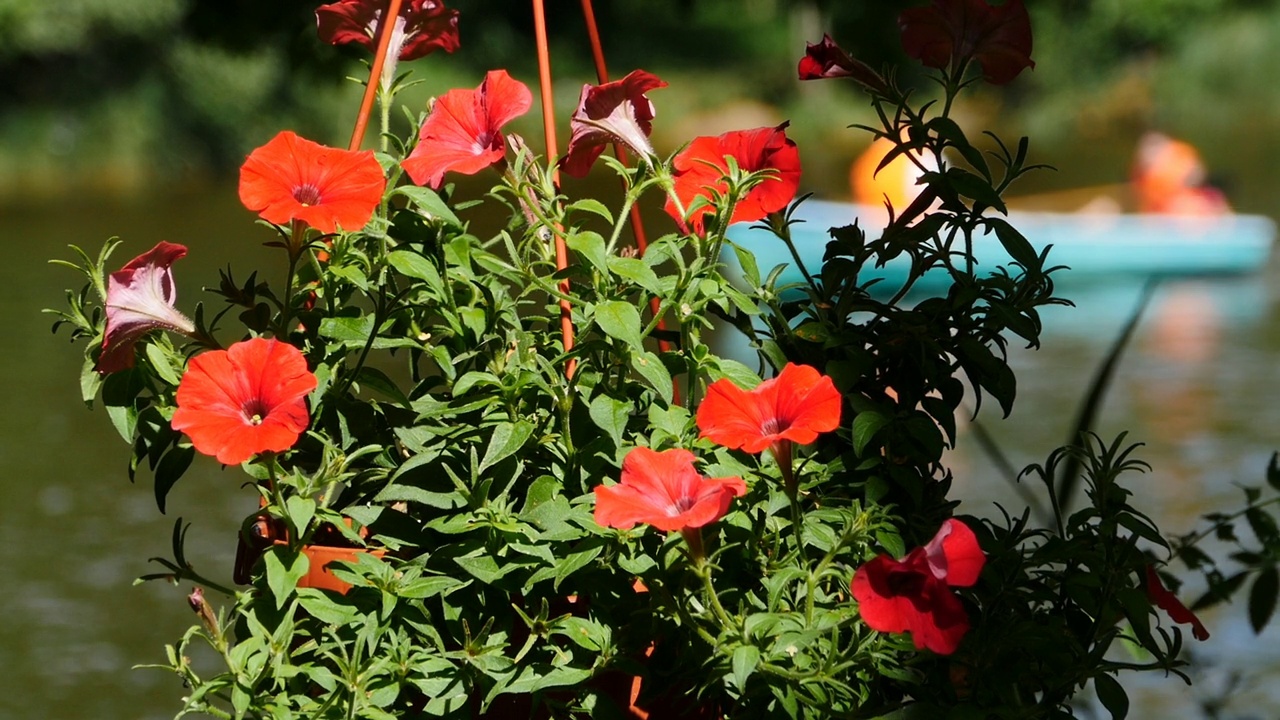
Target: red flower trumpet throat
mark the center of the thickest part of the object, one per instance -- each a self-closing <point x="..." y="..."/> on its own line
<point x="663" y="489"/>
<point x="795" y="407"/>
<point x="246" y="400"/>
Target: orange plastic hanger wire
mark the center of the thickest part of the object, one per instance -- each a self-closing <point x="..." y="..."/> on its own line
<point x="549" y="132"/>
<point x="375" y="74"/>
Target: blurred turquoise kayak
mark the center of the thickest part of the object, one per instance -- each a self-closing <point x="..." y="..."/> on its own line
<point x="1091" y="245"/>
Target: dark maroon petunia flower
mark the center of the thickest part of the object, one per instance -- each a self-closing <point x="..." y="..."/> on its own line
<point x="616" y="111"/>
<point x="914" y="594"/>
<point x="828" y="60"/>
<point x="423" y="26"/>
<point x="950" y="32"/>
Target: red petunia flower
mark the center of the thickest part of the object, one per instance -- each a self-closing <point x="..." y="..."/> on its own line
<point x="795" y="406"/>
<point x="949" y="32"/>
<point x="617" y="111"/>
<point x="913" y="595"/>
<point x="701" y="168"/>
<point x="462" y="132"/>
<point x="292" y="178"/>
<point x="140" y="298"/>
<point x="1167" y="601"/>
<point x="248" y="399"/>
<point x="664" y="490"/>
<point x="828" y="60"/>
<point x="422" y="27"/>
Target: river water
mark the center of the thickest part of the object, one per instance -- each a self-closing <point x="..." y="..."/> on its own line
<point x="1195" y="386"/>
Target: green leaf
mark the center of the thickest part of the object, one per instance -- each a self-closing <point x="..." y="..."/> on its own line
<point x="353" y="332"/>
<point x="865" y="426"/>
<point x="573" y="563"/>
<point x="737" y="373"/>
<point x="1112" y="695"/>
<point x="591" y="206"/>
<point x="507" y="438"/>
<point x="160" y="363"/>
<point x="650" y="367"/>
<point x="1018" y="247"/>
<point x="319" y="606"/>
<point x="426" y="587"/>
<point x="745" y="660"/>
<point x="1262" y="598"/>
<point x="619" y="320"/>
<point x="428" y="201"/>
<point x="300" y="511"/>
<point x="590" y="246"/>
<point x="374" y="378"/>
<point x="611" y="415"/>
<point x="637" y="271"/>
<point x="484" y="568"/>
<point x="284" y="568"/>
<point x="172" y="466"/>
<point x="416" y="266"/>
<point x="747" y="260"/>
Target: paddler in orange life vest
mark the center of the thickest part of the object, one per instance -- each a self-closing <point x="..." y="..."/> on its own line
<point x="1169" y="178"/>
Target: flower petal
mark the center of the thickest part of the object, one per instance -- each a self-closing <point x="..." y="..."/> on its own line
<point x="1170" y="603"/>
<point x="292" y="178"/>
<point x="140" y="298"/>
<point x="663" y="489"/>
<point x="248" y="399"/>
<point x="462" y="133"/>
<point x="954" y="556"/>
<point x="617" y="111"/>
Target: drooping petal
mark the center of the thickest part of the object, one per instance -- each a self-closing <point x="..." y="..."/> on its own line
<point x="828" y="60"/>
<point x="462" y="133"/>
<point x="140" y="298"/>
<point x="292" y="178"/>
<point x="953" y="555"/>
<point x="617" y="111"/>
<point x="950" y="31"/>
<point x="797" y="405"/>
<point x="663" y="489"/>
<point x="1167" y="601"/>
<point x="248" y="399"/>
<point x="701" y="168"/>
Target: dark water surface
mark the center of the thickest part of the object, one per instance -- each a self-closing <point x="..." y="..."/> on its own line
<point x="1198" y="386"/>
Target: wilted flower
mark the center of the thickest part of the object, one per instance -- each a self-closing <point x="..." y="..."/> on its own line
<point x="701" y="168"/>
<point x="616" y="111"/>
<point x="950" y="32"/>
<point x="462" y="133"/>
<point x="248" y="399"/>
<point x="913" y="595"/>
<point x="292" y="178"/>
<point x="140" y="298"/>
